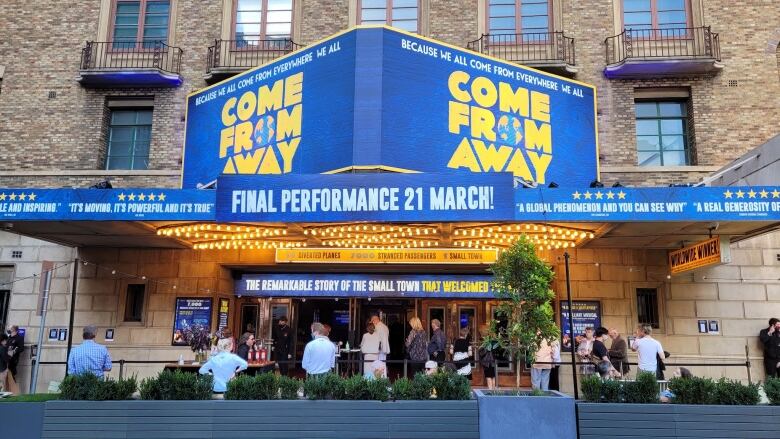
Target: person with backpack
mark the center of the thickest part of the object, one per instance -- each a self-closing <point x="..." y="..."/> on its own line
<point x="487" y="358"/>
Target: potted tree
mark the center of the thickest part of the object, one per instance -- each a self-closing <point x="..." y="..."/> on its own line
<point x="522" y="281"/>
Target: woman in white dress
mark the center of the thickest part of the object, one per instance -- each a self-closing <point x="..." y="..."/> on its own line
<point x="369" y="346"/>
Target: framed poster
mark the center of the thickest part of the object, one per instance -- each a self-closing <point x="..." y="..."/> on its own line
<point x="223" y="313"/>
<point x="53" y="334"/>
<point x="190" y="314"/>
<point x="62" y="334"/>
<point x="584" y="314"/>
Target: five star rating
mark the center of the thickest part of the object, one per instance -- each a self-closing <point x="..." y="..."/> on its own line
<point x="150" y="197"/>
<point x="740" y="194"/>
<point x="22" y="196"/>
<point x="599" y="195"/>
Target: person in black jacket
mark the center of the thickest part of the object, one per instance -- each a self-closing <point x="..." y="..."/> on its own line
<point x="283" y="345"/>
<point x="15" y="349"/>
<point x="770" y="339"/>
<point x="4" y="359"/>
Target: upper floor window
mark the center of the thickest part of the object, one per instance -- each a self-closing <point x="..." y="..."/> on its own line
<point x="662" y="133"/>
<point x="129" y="136"/>
<point x="262" y="20"/>
<point x="518" y="16"/>
<point x="140" y="22"/>
<point x="403" y="14"/>
<point x="655" y="14"/>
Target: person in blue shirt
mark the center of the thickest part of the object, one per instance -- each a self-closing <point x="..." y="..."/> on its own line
<point x="89" y="357"/>
<point x="319" y="356"/>
<point x="224" y="365"/>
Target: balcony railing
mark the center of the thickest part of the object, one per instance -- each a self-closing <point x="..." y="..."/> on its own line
<point x="244" y="54"/>
<point x="535" y="48"/>
<point x="654" y="44"/>
<point x="120" y="56"/>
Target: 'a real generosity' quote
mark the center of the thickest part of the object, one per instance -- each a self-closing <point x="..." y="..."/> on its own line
<point x="372" y="199"/>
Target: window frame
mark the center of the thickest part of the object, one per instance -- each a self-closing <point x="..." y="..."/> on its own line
<point x="657" y="323"/>
<point x="111" y="111"/>
<point x="139" y="45"/>
<point x="685" y="131"/>
<point x="389" y="14"/>
<point x="263" y="25"/>
<point x="654" y="33"/>
<point x="518" y="23"/>
<point x="125" y="316"/>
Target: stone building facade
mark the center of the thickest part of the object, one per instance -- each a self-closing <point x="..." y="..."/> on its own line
<point x="53" y="133"/>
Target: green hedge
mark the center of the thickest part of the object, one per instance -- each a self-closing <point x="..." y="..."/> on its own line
<point x="772" y="390"/>
<point x="177" y="385"/>
<point x="643" y="390"/>
<point x="88" y="387"/>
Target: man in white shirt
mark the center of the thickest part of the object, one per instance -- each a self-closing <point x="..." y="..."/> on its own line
<point x="384" y="336"/>
<point x="647" y="348"/>
<point x="319" y="356"/>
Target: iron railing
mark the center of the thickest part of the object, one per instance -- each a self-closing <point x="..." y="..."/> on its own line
<point x="541" y="47"/>
<point x="131" y="55"/>
<point x="244" y="54"/>
<point x="690" y="42"/>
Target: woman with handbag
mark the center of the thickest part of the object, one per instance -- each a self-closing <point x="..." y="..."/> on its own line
<point x="416" y="346"/>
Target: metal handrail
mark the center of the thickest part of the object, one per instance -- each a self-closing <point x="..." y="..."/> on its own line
<point x="527" y="47"/>
<point x="131" y="55"/>
<point x="247" y="53"/>
<point x="688" y="42"/>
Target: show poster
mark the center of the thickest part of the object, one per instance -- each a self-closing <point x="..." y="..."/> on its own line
<point x="191" y="314"/>
<point x="585" y="314"/>
<point x="223" y="313"/>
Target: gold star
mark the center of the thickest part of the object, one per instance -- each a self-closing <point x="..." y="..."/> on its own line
<point x="22" y="196"/>
<point x="599" y="195"/>
<point x="752" y="193"/>
<point x="775" y="194"/>
<point x="740" y="194"/>
<point x="727" y="194"/>
<point x="12" y="197"/>
<point x="576" y="195"/>
<point x="621" y="195"/>
<point x="161" y="197"/>
<point x="588" y="195"/>
<point x="764" y="193"/>
<point x="151" y="197"/>
<point x="141" y="197"/>
<point x="121" y="197"/>
<point x="131" y="197"/>
<point x="3" y="196"/>
<point x="610" y="196"/>
<point x="31" y="197"/>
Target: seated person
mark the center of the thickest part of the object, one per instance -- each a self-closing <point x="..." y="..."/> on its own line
<point x="431" y="367"/>
<point x="604" y="369"/>
<point x="681" y="372"/>
<point x="224" y="365"/>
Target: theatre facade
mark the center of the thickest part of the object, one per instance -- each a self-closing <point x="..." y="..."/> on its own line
<point x="381" y="171"/>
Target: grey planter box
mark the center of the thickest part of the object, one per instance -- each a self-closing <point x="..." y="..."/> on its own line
<point x="261" y="419"/>
<point x="677" y="421"/>
<point x="537" y="417"/>
<point x="21" y="420"/>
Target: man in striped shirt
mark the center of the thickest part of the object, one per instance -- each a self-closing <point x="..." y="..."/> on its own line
<point x="89" y="357"/>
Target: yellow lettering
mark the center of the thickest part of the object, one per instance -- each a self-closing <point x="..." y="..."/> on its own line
<point x="288" y="124"/>
<point x="293" y="88"/>
<point x="287" y="150"/>
<point x="225" y="140"/>
<point x="490" y="157"/>
<point x="228" y="119"/>
<point x="243" y="137"/>
<point x="464" y="157"/>
<point x="540" y="162"/>
<point x="482" y="123"/>
<point x="459" y="115"/>
<point x="512" y="101"/>
<point x="540" y="106"/>
<point x="248" y="164"/>
<point x="456" y="79"/>
<point x="538" y="138"/>
<point x="270" y="165"/>
<point x="484" y="92"/>
<point x="229" y="168"/>
<point x="518" y="166"/>
<point x="246" y="105"/>
<point x="270" y="98"/>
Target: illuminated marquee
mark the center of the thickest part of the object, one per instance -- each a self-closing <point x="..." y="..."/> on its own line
<point x="517" y="139"/>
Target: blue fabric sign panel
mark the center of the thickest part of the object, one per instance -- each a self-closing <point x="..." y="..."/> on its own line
<point x="106" y="204"/>
<point x="461" y="110"/>
<point x="365" y="285"/>
<point x="649" y="204"/>
<point x="585" y="314"/>
<point x="294" y="115"/>
<point x="366" y="197"/>
<point x="191" y="314"/>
